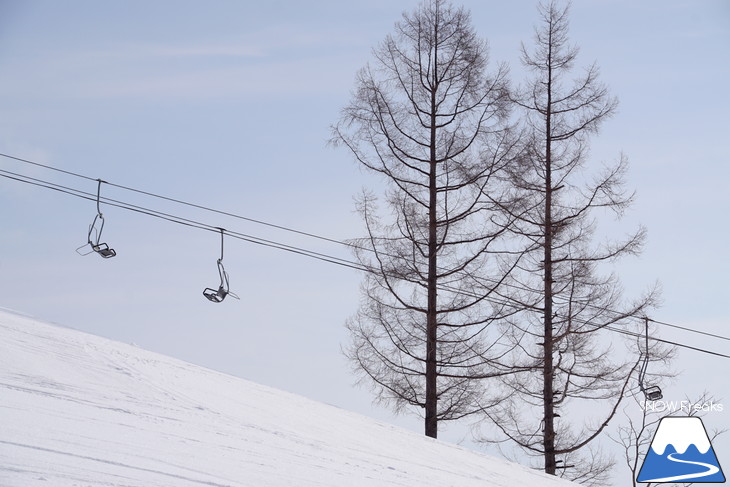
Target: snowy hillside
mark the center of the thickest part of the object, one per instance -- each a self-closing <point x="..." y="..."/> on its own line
<point x="79" y="410"/>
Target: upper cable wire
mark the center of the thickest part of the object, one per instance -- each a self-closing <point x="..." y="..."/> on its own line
<point x="275" y="244"/>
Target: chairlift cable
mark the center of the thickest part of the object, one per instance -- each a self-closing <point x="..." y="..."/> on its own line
<point x="233" y="215"/>
<point x="181" y="202"/>
<point x="661" y="340"/>
<point x="281" y="246"/>
<point x="64" y="171"/>
<point x="720" y="337"/>
<point x="168" y="216"/>
<point x="301" y="232"/>
<point x="182" y="221"/>
<point x="288" y="248"/>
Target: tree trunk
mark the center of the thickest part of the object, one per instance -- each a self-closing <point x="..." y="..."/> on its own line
<point x="547" y="392"/>
<point x="431" y="336"/>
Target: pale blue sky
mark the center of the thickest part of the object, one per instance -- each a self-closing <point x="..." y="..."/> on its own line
<point x="228" y="104"/>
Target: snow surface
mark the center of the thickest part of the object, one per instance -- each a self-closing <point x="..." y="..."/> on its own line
<point x="680" y="432"/>
<point x="78" y="410"/>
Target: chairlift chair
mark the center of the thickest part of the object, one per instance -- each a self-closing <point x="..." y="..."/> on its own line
<point x="216" y="296"/>
<point x="220" y="294"/>
<point x="653" y="392"/>
<point x="100" y="248"/>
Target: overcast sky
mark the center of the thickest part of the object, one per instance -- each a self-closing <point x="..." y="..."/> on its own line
<point x="228" y="104"/>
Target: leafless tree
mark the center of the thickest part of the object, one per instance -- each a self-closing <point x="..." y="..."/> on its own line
<point x="565" y="358"/>
<point x="427" y="117"/>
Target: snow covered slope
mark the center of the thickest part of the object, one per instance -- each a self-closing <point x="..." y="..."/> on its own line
<point x="79" y="410"/>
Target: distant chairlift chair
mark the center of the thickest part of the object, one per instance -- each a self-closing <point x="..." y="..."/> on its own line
<point x="216" y="296"/>
<point x="651" y="393"/>
<point x="100" y="248"/>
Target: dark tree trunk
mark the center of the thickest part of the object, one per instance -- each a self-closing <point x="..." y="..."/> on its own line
<point x="547" y="392"/>
<point x="431" y="425"/>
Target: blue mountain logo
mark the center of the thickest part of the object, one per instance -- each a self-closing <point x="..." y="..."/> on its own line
<point x="681" y="451"/>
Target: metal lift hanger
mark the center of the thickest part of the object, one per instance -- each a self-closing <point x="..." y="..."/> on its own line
<point x="100" y="248"/>
<point x="651" y="393"/>
<point x="223" y="290"/>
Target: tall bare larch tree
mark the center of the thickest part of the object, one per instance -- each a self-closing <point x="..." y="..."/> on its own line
<point x="427" y="117"/>
<point x="564" y="357"/>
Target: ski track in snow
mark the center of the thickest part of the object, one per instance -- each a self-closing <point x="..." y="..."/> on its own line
<point x="79" y="411"/>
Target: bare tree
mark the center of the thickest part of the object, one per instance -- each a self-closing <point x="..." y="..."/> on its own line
<point x="427" y="117"/>
<point x="564" y="357"/>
